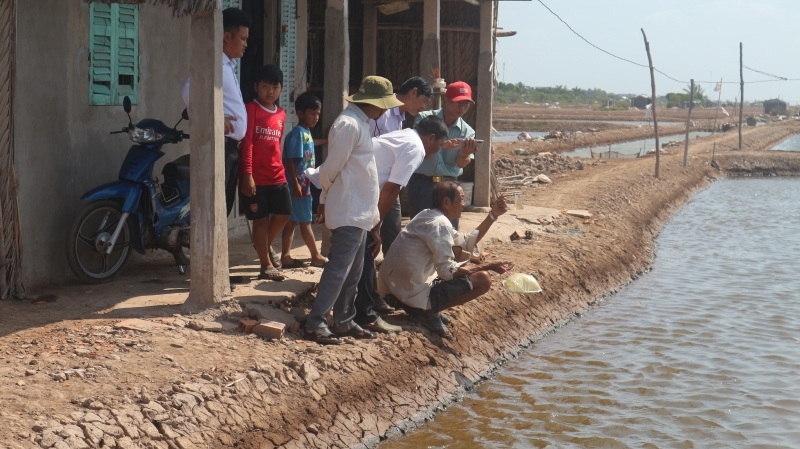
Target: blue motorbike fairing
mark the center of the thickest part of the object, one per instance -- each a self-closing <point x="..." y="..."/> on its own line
<point x="128" y="192"/>
<point x="138" y="164"/>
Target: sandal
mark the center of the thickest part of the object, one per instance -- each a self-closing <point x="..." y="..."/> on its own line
<point x="271" y="274"/>
<point x="323" y="336"/>
<point x="435" y="324"/>
<point x="319" y="265"/>
<point x="275" y="258"/>
<point x="359" y="333"/>
<point x="295" y="264"/>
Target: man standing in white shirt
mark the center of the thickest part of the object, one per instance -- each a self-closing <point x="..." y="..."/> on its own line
<point x="349" y="208"/>
<point x="236" y="24"/>
<point x="397" y="155"/>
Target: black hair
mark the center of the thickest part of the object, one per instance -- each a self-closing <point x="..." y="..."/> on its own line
<point x="423" y="86"/>
<point x="269" y="74"/>
<point x="306" y="101"/>
<point x="442" y="190"/>
<point x="235" y="18"/>
<point x="432" y="125"/>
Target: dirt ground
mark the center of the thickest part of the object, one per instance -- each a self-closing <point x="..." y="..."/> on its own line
<point x="584" y="113"/>
<point x="72" y="375"/>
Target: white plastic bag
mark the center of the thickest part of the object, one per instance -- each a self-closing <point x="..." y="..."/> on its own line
<point x="522" y="283"/>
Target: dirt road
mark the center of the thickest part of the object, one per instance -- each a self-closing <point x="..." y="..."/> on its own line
<point x="82" y="382"/>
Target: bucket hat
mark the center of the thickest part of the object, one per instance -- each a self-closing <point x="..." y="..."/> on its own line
<point x="377" y="91"/>
<point x="459" y="91"/>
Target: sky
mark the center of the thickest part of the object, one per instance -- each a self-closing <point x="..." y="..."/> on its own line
<point x="688" y="39"/>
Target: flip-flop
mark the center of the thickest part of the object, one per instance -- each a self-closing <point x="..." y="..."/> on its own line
<point x="435" y="324"/>
<point x="271" y="274"/>
<point x="323" y="336"/>
<point x="295" y="264"/>
<point x="275" y="258"/>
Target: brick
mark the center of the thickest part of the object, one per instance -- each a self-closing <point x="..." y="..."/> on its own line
<point x="246" y="325"/>
<point x="269" y="329"/>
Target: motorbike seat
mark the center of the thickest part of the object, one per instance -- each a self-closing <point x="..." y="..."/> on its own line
<point x="177" y="169"/>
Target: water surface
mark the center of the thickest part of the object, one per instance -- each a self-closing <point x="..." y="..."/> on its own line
<point x="632" y="148"/>
<point x="702" y="352"/>
<point x="790" y="144"/>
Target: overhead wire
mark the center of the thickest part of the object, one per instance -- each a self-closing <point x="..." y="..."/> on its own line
<point x="779" y="78"/>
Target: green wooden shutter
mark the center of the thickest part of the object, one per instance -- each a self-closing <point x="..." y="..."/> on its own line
<point x="114" y="53"/>
<point x="127" y="53"/>
<point x="100" y="47"/>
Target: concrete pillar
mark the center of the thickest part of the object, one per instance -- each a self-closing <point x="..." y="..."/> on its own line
<point x="483" y="158"/>
<point x="209" y="240"/>
<point x="430" y="55"/>
<point x="337" y="74"/>
<point x="370" y="53"/>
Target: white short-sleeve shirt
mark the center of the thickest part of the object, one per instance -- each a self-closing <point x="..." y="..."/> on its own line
<point x="397" y="155"/>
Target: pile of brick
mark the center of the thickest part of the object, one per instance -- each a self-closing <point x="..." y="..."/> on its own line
<point x="543" y="163"/>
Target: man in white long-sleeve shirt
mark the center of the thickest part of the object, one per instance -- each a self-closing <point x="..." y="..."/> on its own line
<point x="236" y="24"/>
<point x="421" y="268"/>
<point x="349" y="207"/>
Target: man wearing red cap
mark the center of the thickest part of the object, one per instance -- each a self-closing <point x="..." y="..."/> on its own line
<point x="449" y="162"/>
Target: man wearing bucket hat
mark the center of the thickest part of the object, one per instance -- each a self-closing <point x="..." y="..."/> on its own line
<point x="459" y="151"/>
<point x="349" y="208"/>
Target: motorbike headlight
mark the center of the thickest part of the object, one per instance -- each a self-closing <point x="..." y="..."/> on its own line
<point x="145" y="135"/>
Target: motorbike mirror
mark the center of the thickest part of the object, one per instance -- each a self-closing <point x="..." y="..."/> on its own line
<point x="126" y="105"/>
<point x="184" y="116"/>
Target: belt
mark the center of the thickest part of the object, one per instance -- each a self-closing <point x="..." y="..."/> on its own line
<point x="433" y="178"/>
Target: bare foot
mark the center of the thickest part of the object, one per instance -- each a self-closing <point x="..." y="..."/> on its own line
<point x="319" y="260"/>
<point x="287" y="261"/>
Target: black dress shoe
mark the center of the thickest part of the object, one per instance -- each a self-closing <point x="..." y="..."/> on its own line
<point x="382" y="307"/>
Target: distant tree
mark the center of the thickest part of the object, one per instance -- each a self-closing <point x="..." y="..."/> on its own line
<point x="699" y="93"/>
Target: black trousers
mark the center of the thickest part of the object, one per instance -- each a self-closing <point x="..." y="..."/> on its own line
<point x="231" y="172"/>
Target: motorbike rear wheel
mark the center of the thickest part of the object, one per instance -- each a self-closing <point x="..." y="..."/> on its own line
<point x="88" y="238"/>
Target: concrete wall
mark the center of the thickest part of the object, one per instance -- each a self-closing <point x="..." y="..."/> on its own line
<point x="62" y="145"/>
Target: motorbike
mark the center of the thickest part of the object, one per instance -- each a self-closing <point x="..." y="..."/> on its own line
<point x="136" y="211"/>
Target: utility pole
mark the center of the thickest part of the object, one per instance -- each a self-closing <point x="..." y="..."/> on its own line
<point x="741" y="94"/>
<point x="688" y="121"/>
<point x="654" y="101"/>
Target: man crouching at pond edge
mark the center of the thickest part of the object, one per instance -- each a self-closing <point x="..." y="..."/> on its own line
<point x="422" y="270"/>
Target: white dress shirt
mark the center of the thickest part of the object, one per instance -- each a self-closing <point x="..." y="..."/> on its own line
<point x="421" y="252"/>
<point x="348" y="177"/>
<point x="397" y="155"/>
<point x="389" y="121"/>
<point x="232" y="101"/>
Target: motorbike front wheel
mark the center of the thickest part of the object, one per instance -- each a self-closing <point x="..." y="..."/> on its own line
<point x="88" y="243"/>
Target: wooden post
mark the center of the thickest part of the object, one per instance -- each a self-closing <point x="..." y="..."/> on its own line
<point x="370" y="50"/>
<point x="741" y="94"/>
<point x="429" y="57"/>
<point x="654" y="101"/>
<point x="337" y="75"/>
<point x="688" y="121"/>
<point x="483" y="158"/>
<point x="337" y="61"/>
<point x="301" y="50"/>
<point x="209" y="237"/>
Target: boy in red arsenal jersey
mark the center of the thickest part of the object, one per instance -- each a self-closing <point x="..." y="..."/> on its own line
<point x="265" y="194"/>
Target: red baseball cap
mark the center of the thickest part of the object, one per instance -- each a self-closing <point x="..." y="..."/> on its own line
<point x="459" y="91"/>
